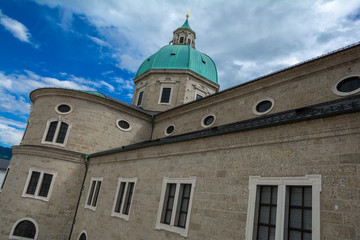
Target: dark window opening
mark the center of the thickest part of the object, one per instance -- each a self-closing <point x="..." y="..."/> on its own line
<point x="62" y="132"/>
<point x="82" y="236"/>
<point x="96" y="195"/>
<point x="63" y="108"/>
<point x="120" y="197"/>
<point x="128" y="198"/>
<point x="263" y="106"/>
<point x="168" y="203"/>
<point x="45" y="185"/>
<point x="198" y="96"/>
<point x="123" y="124"/>
<point x="34" y="179"/>
<point x="184" y="198"/>
<point x="209" y="120"/>
<point x="165" y="95"/>
<point x="170" y="129"/>
<point x="25" y="229"/>
<point x="266" y="213"/>
<point x="51" y="132"/>
<point x="91" y="192"/>
<point x="181" y="40"/>
<point x="140" y="98"/>
<point x="348" y="84"/>
<point x="189" y="41"/>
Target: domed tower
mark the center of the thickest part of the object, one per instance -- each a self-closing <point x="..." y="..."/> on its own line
<point x="176" y="74"/>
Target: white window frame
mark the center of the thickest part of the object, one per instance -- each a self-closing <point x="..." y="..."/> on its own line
<point x="38" y="186"/>
<point x="99" y="179"/>
<point x="282" y="182"/>
<point x="171" y="228"/>
<point x="53" y="142"/>
<point x="5" y="176"/>
<point x="11" y="236"/>
<point x="171" y="93"/>
<point x="120" y="214"/>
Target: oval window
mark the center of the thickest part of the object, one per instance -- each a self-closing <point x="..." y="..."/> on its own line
<point x="263" y="106"/>
<point x="169" y="130"/>
<point x="123" y="125"/>
<point x="208" y="120"/>
<point x="63" y="109"/>
<point x="348" y="85"/>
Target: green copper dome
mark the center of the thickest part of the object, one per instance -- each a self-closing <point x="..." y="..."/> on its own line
<point x="181" y="57"/>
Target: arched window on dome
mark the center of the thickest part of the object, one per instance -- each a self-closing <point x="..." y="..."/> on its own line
<point x="56" y="132"/>
<point x="25" y="228"/>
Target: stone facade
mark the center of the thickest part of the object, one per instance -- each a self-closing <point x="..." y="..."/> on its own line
<point x="113" y="165"/>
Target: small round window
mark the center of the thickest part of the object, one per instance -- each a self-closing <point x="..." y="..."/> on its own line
<point x="347" y="86"/>
<point x="63" y="109"/>
<point x="123" y="125"/>
<point x="263" y="106"/>
<point x="208" y="120"/>
<point x="169" y="130"/>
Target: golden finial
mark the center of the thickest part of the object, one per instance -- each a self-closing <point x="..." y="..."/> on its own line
<point x="187" y="15"/>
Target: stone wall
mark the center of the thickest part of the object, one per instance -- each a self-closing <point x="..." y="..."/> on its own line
<point x="222" y="166"/>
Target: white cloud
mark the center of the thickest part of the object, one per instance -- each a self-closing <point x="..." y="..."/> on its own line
<point x="16" y="28"/>
<point x="11" y="131"/>
<point x="99" y="41"/>
<point x="109" y="86"/>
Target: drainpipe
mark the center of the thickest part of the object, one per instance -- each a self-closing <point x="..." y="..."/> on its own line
<point x="81" y="190"/>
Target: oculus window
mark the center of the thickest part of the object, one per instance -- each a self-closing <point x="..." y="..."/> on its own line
<point x="93" y="193"/>
<point x="123" y="197"/>
<point x="169" y="130"/>
<point x="24" y="229"/>
<point x="208" y="120"/>
<point x="175" y="205"/>
<point x="347" y="86"/>
<point x="63" y="108"/>
<point x="56" y="132"/>
<point x="165" y="95"/>
<point x="123" y="125"/>
<point x="284" y="208"/>
<point x="39" y="184"/>
<point x="263" y="106"/>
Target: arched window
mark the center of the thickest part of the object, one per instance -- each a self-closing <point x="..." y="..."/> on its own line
<point x="56" y="132"/>
<point x="24" y="229"/>
<point x="83" y="236"/>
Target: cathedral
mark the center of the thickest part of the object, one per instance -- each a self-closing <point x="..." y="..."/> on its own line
<point x="277" y="157"/>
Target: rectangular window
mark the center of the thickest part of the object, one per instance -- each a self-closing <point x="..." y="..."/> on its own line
<point x="284" y="208"/>
<point x="93" y="193"/>
<point x="198" y="96"/>
<point x="165" y="95"/>
<point x="123" y="197"/>
<point x="39" y="184"/>
<point x="181" y="40"/>
<point x="4" y="179"/>
<point x="189" y="41"/>
<point x="140" y="97"/>
<point x="175" y="205"/>
<point x="56" y="132"/>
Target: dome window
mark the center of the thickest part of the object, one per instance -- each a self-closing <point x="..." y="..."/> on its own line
<point x="123" y="125"/>
<point x="347" y="86"/>
<point x="208" y="120"/>
<point x="63" y="109"/>
<point x="181" y="40"/>
<point x="169" y="130"/>
<point x="263" y="106"/>
<point x="189" y="41"/>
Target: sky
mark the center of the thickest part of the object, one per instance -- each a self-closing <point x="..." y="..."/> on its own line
<point x="99" y="44"/>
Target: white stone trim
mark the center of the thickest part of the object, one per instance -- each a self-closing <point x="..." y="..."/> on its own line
<point x="38" y="186"/>
<point x="141" y="90"/>
<point x="337" y="92"/>
<point x="171" y="228"/>
<point x="308" y="180"/>
<point x="259" y="101"/>
<point x="123" y="129"/>
<point x="161" y="91"/>
<point x="120" y="214"/>
<point x="202" y="120"/>
<point x="82" y="233"/>
<point x="53" y="142"/>
<point x="98" y="179"/>
<point x="11" y="236"/>
<point x="168" y="134"/>
<point x="62" y="113"/>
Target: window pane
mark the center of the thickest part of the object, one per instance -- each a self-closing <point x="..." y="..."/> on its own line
<point x="165" y="96"/>
<point x="307" y="197"/>
<point x="272" y="233"/>
<point x="184" y="198"/>
<point x="129" y="194"/>
<point x="307" y="219"/>
<point x="45" y="185"/>
<point x="169" y="201"/>
<point x="265" y="194"/>
<point x="307" y="236"/>
<point x="294" y="235"/>
<point x="264" y="214"/>
<point x="295" y="218"/>
<point x="273" y="216"/>
<point x="25" y="229"/>
<point x="51" y="131"/>
<point x="198" y="96"/>
<point x="62" y="132"/>
<point x="296" y="196"/>
<point x="98" y="185"/>
<point x="263" y="233"/>
<point x="91" y="192"/>
<point x="120" y="197"/>
<point x="33" y="183"/>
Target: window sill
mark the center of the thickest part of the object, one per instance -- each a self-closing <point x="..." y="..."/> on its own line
<point x="182" y="231"/>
